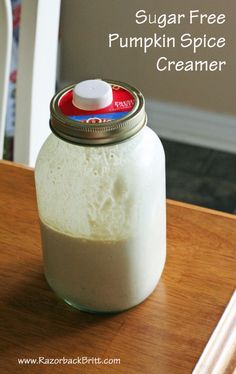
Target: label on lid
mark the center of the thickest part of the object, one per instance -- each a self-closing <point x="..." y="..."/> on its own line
<point x="123" y="103"/>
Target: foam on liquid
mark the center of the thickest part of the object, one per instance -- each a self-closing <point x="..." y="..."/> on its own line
<point x="103" y="225"/>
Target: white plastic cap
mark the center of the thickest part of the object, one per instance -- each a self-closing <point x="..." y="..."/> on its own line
<point x="93" y="94"/>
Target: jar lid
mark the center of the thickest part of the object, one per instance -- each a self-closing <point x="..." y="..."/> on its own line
<point x="97" y="112"/>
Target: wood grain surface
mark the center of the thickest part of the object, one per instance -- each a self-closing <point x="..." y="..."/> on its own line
<point x="165" y="334"/>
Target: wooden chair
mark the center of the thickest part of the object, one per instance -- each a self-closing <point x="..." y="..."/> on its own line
<point x="5" y="59"/>
<point x="36" y="76"/>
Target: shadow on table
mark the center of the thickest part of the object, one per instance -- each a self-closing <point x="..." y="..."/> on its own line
<point x="32" y="316"/>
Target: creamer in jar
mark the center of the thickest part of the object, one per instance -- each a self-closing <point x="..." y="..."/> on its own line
<point x="100" y="182"/>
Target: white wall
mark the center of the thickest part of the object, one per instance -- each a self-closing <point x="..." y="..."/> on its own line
<point x="85" y="53"/>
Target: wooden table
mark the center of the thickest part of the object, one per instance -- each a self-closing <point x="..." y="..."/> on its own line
<point x="165" y="334"/>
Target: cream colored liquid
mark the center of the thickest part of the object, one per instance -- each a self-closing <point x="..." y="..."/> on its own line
<point x="100" y="275"/>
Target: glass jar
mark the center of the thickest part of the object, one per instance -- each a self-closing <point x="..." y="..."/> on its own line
<point x="101" y="202"/>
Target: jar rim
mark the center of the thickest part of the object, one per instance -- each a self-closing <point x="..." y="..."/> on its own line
<point x="114" y="131"/>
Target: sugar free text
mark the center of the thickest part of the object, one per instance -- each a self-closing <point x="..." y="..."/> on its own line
<point x="167" y="37"/>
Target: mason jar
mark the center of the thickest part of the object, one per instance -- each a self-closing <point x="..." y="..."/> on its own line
<point x="100" y="184"/>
